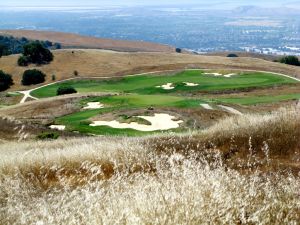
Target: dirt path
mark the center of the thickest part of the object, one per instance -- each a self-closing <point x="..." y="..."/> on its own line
<point x="230" y="109"/>
<point x="27" y="94"/>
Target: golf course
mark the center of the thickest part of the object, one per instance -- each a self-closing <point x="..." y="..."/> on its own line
<point x="130" y="98"/>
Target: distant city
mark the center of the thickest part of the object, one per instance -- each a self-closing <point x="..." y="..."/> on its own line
<point x="246" y="28"/>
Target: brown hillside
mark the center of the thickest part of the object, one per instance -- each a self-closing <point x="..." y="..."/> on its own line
<point x="99" y="63"/>
<point x="79" y="41"/>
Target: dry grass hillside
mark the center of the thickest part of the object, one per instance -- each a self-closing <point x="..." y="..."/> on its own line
<point x="100" y="63"/>
<point x="216" y="176"/>
<point x="79" y="41"/>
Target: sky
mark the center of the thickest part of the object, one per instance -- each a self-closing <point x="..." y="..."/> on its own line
<point x="140" y="2"/>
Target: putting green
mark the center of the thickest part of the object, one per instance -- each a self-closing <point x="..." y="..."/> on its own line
<point x="147" y="84"/>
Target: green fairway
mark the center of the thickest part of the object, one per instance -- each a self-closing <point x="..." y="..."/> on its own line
<point x="147" y="84"/>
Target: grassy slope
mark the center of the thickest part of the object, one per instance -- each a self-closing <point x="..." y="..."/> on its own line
<point x="80" y="41"/>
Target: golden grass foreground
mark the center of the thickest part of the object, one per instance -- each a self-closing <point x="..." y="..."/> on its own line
<point x="224" y="175"/>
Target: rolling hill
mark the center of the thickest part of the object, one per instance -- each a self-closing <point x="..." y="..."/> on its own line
<point x="103" y="63"/>
<point x="69" y="40"/>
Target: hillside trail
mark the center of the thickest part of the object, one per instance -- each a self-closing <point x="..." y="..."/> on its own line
<point x="27" y="93"/>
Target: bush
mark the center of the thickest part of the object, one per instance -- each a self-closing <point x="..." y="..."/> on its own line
<point x="232" y="55"/>
<point x="290" y="60"/>
<point x="33" y="77"/>
<point x="36" y="53"/>
<point x="23" y="61"/>
<point x="5" y="81"/>
<point x="48" y="135"/>
<point x="66" y="90"/>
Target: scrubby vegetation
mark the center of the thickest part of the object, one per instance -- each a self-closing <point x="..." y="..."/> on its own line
<point x="290" y="60"/>
<point x="33" y="77"/>
<point x="228" y="174"/>
<point x="36" y="53"/>
<point x="65" y="90"/>
<point x="5" y="81"/>
<point x="48" y="136"/>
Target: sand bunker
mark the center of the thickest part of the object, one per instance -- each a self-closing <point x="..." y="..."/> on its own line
<point x="158" y="122"/>
<point x="230" y="75"/>
<point x="94" y="105"/>
<point x="215" y="74"/>
<point x="190" y="84"/>
<point x="167" y="86"/>
<point x="58" y="127"/>
<point x="206" y="106"/>
<point x="219" y="74"/>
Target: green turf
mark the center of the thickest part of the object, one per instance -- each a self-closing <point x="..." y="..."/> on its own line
<point x="146" y="84"/>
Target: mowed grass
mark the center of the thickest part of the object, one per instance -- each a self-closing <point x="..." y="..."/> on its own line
<point x="146" y="84"/>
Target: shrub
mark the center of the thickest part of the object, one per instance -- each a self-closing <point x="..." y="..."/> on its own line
<point x="48" y="135"/>
<point x="232" y="55"/>
<point x="23" y="61"/>
<point x="33" y="77"/>
<point x="290" y="60"/>
<point x="178" y="50"/>
<point x="5" y="81"/>
<point x="35" y="53"/>
<point x="66" y="90"/>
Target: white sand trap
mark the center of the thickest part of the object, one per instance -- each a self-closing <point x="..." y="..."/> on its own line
<point x="231" y="110"/>
<point x="230" y="75"/>
<point x="206" y="106"/>
<point x="94" y="105"/>
<point x="219" y="74"/>
<point x="58" y="127"/>
<point x="190" y="84"/>
<point x="215" y="74"/>
<point x="158" y="122"/>
<point x="167" y="86"/>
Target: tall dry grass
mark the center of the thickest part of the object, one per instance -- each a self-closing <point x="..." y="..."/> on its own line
<point x="129" y="181"/>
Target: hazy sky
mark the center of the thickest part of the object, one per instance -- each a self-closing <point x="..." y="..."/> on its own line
<point x="138" y="2"/>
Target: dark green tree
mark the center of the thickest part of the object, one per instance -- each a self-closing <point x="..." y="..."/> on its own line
<point x="3" y="50"/>
<point x="37" y="53"/>
<point x="5" y="81"/>
<point x="23" y="61"/>
<point x="33" y="77"/>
